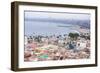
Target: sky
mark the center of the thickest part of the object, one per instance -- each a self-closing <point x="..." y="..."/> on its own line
<point x="56" y="15"/>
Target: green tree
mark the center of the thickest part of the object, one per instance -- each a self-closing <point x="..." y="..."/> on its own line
<point x="73" y="36"/>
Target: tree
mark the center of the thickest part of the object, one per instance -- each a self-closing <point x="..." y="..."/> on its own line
<point x="73" y="36"/>
<point x="76" y="35"/>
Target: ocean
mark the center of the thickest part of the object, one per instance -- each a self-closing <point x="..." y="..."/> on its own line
<point x="47" y="28"/>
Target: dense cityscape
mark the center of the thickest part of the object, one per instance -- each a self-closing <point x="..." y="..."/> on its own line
<point x="57" y="47"/>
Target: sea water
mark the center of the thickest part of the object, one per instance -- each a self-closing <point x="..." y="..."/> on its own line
<point x="47" y="28"/>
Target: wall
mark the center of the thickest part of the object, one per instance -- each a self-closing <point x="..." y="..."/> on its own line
<point x="5" y="28"/>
